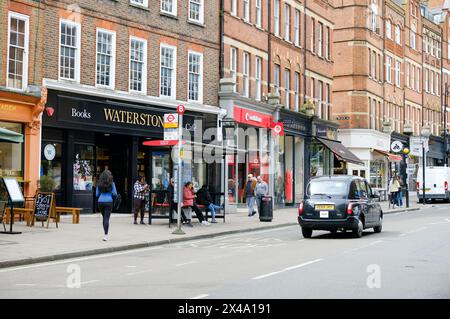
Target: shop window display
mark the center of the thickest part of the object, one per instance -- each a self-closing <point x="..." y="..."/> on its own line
<point x="320" y="160"/>
<point x="376" y="174"/>
<point x="83" y="167"/>
<point x="11" y="154"/>
<point x="51" y="164"/>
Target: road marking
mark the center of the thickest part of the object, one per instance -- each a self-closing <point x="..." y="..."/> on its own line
<point x="412" y="231"/>
<point x="222" y="256"/>
<point x="131" y="266"/>
<point x="138" y="272"/>
<point x="287" y="269"/>
<point x="416" y="230"/>
<point x="447" y="220"/>
<point x="188" y="263"/>
<point x="88" y="282"/>
<point x="41" y="285"/>
<point x="366" y="246"/>
<point x="200" y="296"/>
<point x="66" y="261"/>
<point x="26" y="285"/>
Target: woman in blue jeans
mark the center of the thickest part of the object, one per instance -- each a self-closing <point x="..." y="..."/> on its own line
<point x="105" y="193"/>
<point x="399" y="193"/>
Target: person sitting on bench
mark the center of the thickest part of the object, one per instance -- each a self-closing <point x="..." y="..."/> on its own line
<point x="204" y="198"/>
<point x="188" y="201"/>
<point x="174" y="205"/>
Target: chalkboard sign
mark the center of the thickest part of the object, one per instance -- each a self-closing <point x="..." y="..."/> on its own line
<point x="44" y="207"/>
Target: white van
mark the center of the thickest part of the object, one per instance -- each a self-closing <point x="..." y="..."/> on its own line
<point x="437" y="179"/>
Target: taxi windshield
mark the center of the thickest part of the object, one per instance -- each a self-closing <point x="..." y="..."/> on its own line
<point x="327" y="188"/>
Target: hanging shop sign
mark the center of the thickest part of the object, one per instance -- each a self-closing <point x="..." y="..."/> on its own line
<point x="278" y="129"/>
<point x="253" y="118"/>
<point x="396" y="146"/>
<point x="49" y="152"/>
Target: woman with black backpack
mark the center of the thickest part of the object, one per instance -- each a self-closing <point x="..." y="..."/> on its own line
<point x="105" y="193"/>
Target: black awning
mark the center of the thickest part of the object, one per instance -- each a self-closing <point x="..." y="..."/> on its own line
<point x="341" y="152"/>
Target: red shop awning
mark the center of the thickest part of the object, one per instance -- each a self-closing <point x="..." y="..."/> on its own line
<point x="390" y="156"/>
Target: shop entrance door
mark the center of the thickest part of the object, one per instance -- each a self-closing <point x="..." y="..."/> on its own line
<point x="112" y="154"/>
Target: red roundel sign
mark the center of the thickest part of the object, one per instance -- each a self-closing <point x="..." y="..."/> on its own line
<point x="278" y="128"/>
<point x="170" y="118"/>
<point x="180" y="109"/>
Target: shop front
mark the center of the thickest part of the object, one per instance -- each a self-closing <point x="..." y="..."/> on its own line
<point x="294" y="148"/>
<point x="20" y="129"/>
<point x="435" y="155"/>
<point x="84" y="135"/>
<point x="329" y="156"/>
<point x="249" y="133"/>
<point x="373" y="149"/>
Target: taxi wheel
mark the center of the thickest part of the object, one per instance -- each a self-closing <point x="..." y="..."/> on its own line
<point x="358" y="231"/>
<point x="378" y="228"/>
<point x="307" y="232"/>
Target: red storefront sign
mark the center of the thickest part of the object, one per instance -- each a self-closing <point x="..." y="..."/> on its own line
<point x="252" y="118"/>
<point x="160" y="143"/>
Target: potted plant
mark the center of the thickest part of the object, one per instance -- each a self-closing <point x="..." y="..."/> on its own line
<point x="46" y="184"/>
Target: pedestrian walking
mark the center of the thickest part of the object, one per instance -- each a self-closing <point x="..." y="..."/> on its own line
<point x="188" y="201"/>
<point x="400" y="192"/>
<point x="250" y="194"/>
<point x="140" y="187"/>
<point x="394" y="187"/>
<point x="261" y="189"/>
<point x="204" y="198"/>
<point x="105" y="193"/>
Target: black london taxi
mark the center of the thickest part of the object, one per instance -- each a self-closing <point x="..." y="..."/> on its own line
<point x="339" y="202"/>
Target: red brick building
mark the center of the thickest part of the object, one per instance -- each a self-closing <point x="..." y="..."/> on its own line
<point x="22" y="97"/>
<point x="388" y="82"/>
<point x="111" y="75"/>
<point x="278" y="66"/>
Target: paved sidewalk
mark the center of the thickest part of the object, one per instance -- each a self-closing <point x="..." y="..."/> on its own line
<point x="39" y="244"/>
<point x="413" y="205"/>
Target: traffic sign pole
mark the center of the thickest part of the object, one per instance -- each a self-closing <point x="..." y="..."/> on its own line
<point x="179" y="231"/>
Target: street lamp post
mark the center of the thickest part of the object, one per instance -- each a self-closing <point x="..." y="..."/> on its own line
<point x="425" y="135"/>
<point x="407" y="130"/>
<point x="423" y="172"/>
<point x="445" y="123"/>
<point x="405" y="153"/>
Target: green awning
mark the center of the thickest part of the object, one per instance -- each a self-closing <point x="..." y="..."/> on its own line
<point x="10" y="136"/>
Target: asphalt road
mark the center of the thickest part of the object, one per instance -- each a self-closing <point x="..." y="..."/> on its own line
<point x="409" y="259"/>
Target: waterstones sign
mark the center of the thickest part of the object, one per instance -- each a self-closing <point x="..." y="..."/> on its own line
<point x="108" y="115"/>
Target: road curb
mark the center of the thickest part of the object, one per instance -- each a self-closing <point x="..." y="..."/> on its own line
<point x="100" y="251"/>
<point x="393" y="211"/>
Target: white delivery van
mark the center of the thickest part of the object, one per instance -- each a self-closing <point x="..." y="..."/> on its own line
<point x="437" y="179"/>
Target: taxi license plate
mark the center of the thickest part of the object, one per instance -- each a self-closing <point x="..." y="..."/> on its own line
<point x="324" y="214"/>
<point x="324" y="207"/>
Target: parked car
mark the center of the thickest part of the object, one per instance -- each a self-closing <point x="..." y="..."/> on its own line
<point x="339" y="202"/>
<point x="436" y="183"/>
